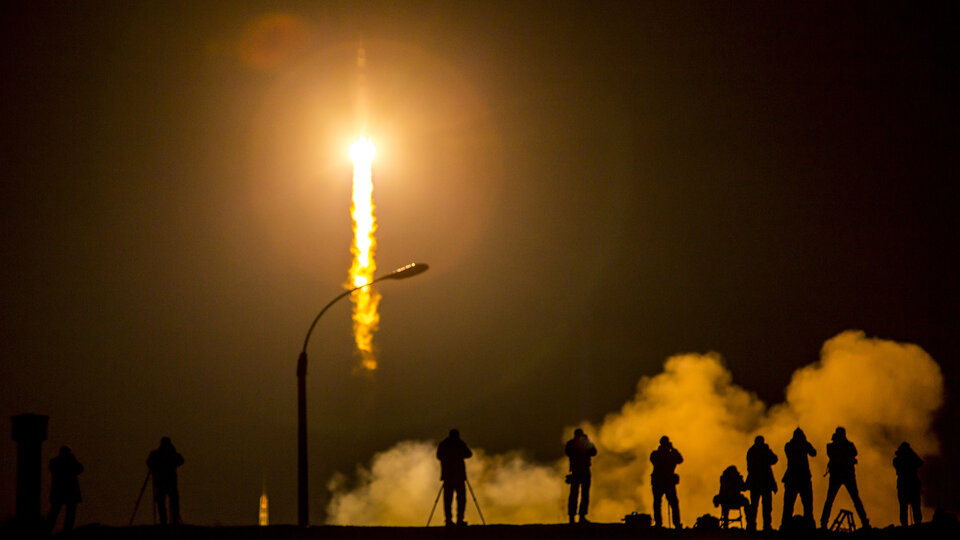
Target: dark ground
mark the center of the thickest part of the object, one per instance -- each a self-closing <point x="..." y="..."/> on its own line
<point x="595" y="530"/>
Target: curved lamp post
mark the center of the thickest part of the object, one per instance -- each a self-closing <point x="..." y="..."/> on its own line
<point x="303" y="510"/>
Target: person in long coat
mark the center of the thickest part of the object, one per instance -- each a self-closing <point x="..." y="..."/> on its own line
<point x="907" y="463"/>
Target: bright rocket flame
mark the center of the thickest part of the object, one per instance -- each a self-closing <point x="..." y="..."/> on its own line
<point x="365" y="301"/>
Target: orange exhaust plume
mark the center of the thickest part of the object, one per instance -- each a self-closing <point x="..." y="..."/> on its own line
<point x="366" y="300"/>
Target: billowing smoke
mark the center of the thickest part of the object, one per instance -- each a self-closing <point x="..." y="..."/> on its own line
<point x="403" y="482"/>
<point x="881" y="391"/>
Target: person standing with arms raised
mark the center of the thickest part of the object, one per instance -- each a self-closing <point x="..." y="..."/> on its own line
<point x="664" y="480"/>
<point x="843" y="458"/>
<point x="796" y="480"/>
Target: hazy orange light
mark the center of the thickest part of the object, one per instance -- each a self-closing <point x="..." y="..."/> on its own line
<point x="366" y="300"/>
<point x="264" y="518"/>
<point x="362" y="151"/>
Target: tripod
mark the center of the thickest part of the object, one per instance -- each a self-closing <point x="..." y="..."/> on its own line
<point x="434" y="509"/>
<point x="136" y="506"/>
<point x="483" y="521"/>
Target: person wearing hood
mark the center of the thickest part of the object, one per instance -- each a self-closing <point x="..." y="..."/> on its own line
<point x="907" y="463"/>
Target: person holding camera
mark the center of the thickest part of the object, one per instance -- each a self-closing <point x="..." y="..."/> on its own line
<point x="796" y="480"/>
<point x="452" y="452"/>
<point x="163" y="463"/>
<point x="761" y="483"/>
<point x="843" y="459"/>
<point x="579" y="449"/>
<point x="664" y="480"/>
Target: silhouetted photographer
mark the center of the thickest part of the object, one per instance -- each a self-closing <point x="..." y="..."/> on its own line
<point x="163" y="463"/>
<point x="64" y="488"/>
<point x="843" y="458"/>
<point x="452" y="452"/>
<point x="664" y="480"/>
<point x="797" y="478"/>
<point x="760" y="482"/>
<point x="907" y="463"/>
<point x="580" y="450"/>
<point x="731" y="496"/>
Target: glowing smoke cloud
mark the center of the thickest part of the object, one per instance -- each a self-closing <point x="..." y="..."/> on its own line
<point x="366" y="300"/>
<point x="881" y="391"/>
<point x="402" y="483"/>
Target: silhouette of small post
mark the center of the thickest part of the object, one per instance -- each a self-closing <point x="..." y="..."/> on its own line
<point x="731" y="495"/>
<point x="907" y="464"/>
<point x="797" y="478"/>
<point x="580" y="450"/>
<point x="452" y="452"/>
<point x="760" y="482"/>
<point x="64" y="488"/>
<point x="163" y="463"/>
<point x="664" y="480"/>
<point x="29" y="430"/>
<point x="842" y="456"/>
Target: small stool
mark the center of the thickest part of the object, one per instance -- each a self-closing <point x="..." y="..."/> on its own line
<point x="844" y="522"/>
<point x="726" y="519"/>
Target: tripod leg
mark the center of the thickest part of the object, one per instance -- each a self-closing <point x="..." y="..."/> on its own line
<point x="476" y="503"/>
<point x="434" y="509"/>
<point x="137" y="505"/>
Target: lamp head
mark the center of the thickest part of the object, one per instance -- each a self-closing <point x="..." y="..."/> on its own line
<point x="407" y="271"/>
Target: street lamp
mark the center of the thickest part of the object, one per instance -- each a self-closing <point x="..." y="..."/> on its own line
<point x="303" y="511"/>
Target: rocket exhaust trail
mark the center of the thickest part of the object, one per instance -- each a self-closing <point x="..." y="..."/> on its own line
<point x="365" y="300"/>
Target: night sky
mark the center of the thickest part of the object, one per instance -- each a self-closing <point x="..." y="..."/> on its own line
<point x="595" y="188"/>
